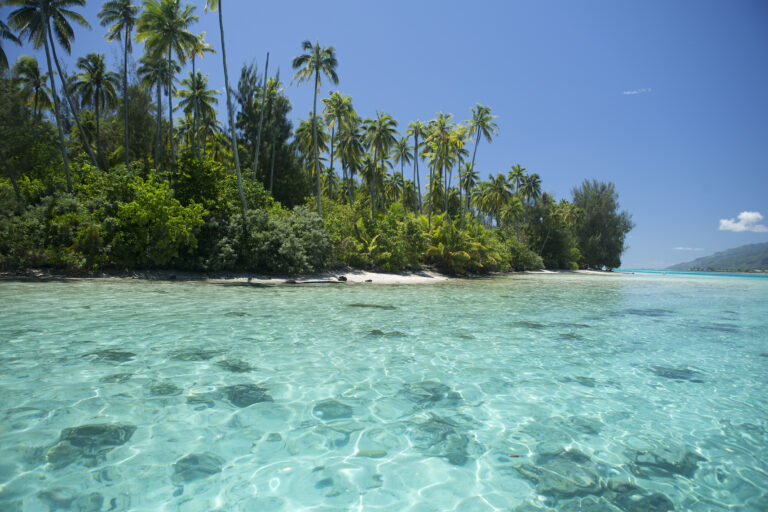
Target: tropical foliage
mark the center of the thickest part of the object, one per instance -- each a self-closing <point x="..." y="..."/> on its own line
<point x="149" y="173"/>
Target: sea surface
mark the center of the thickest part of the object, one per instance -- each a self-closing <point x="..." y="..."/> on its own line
<point x="626" y="392"/>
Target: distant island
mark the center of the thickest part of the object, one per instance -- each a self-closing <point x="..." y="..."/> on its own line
<point x="746" y="258"/>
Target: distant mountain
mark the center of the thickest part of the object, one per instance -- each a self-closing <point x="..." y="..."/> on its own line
<point x="744" y="258"/>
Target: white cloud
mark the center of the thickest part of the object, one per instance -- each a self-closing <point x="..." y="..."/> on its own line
<point x="688" y="249"/>
<point x="747" y="221"/>
<point x="637" y="91"/>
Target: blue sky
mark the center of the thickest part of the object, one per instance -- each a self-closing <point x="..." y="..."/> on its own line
<point x="667" y="99"/>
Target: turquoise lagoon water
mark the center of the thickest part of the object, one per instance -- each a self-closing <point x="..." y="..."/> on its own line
<point x="523" y="393"/>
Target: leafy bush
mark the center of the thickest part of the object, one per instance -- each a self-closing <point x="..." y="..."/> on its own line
<point x="273" y="242"/>
<point x="155" y="229"/>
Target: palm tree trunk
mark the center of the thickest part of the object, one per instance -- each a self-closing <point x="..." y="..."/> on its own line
<point x="62" y="141"/>
<point x="314" y="141"/>
<point x="416" y="177"/>
<point x="170" y="110"/>
<point x="231" y="115"/>
<point x="261" y="119"/>
<point x="98" y="133"/>
<point x="272" y="148"/>
<point x="429" y="200"/>
<point x="373" y="185"/>
<point x="474" y="151"/>
<point x="64" y="88"/>
<point x="125" y="95"/>
<point x="197" y="129"/>
<point x="158" y="128"/>
<point x="330" y="173"/>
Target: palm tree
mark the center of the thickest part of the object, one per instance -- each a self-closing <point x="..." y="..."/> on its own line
<point x="498" y="195"/>
<point x="197" y="101"/>
<point x="273" y="91"/>
<point x="261" y="119"/>
<point x="401" y="153"/>
<point x="438" y="154"/>
<point x="217" y="5"/>
<point x="516" y="176"/>
<point x="121" y="15"/>
<point x="163" y="26"/>
<point x="351" y="149"/>
<point x="96" y="86"/>
<point x="336" y="107"/>
<point x="199" y="47"/>
<point x="154" y="72"/>
<point x="305" y="143"/>
<point x="380" y="136"/>
<point x="312" y="63"/>
<point x="26" y="72"/>
<point x="456" y="141"/>
<point x="417" y="129"/>
<point x="481" y="124"/>
<point x="531" y="187"/>
<point x="467" y="180"/>
<point x="6" y="33"/>
<point x="32" y="19"/>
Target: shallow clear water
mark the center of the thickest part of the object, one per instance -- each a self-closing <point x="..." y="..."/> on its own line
<point x="523" y="393"/>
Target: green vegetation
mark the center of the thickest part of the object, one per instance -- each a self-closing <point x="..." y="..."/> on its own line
<point x="746" y="258"/>
<point x="108" y="181"/>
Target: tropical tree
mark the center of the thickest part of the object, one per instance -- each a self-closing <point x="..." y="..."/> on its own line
<point x="380" y="136"/>
<point x="261" y="119"/>
<point x="96" y="87"/>
<point x="437" y="152"/>
<point x="311" y="64"/>
<point x="516" y="176"/>
<point x="531" y="188"/>
<point x="467" y="181"/>
<point x="217" y="5"/>
<point x="401" y="153"/>
<point x="601" y="229"/>
<point x="195" y="96"/>
<point x="351" y="149"/>
<point x="198" y="48"/>
<point x="336" y="107"/>
<point x="417" y="130"/>
<point x="32" y="20"/>
<point x="498" y="193"/>
<point x="120" y="17"/>
<point x="164" y="28"/>
<point x="481" y="124"/>
<point x="7" y="34"/>
<point x="28" y="76"/>
<point x="154" y="72"/>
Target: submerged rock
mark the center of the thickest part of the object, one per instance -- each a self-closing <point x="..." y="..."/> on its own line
<point x="529" y="325"/>
<point x="441" y="437"/>
<point x="677" y="373"/>
<point x="388" y="334"/>
<point x="193" y="355"/>
<point x="196" y="466"/>
<point x="329" y="410"/>
<point x="65" y="498"/>
<point x="562" y="474"/>
<point x="666" y="463"/>
<point x="116" y="378"/>
<point x="161" y="388"/>
<point x="652" y="312"/>
<point x="243" y="395"/>
<point x="93" y="438"/>
<point x="237" y="313"/>
<point x="201" y="401"/>
<point x="430" y="394"/>
<point x="111" y="355"/>
<point x="374" y="306"/>
<point x="235" y="365"/>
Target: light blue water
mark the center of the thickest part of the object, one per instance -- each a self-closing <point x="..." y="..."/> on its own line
<point x="533" y="392"/>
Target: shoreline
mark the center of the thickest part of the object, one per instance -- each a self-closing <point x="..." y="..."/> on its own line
<point x="341" y="276"/>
